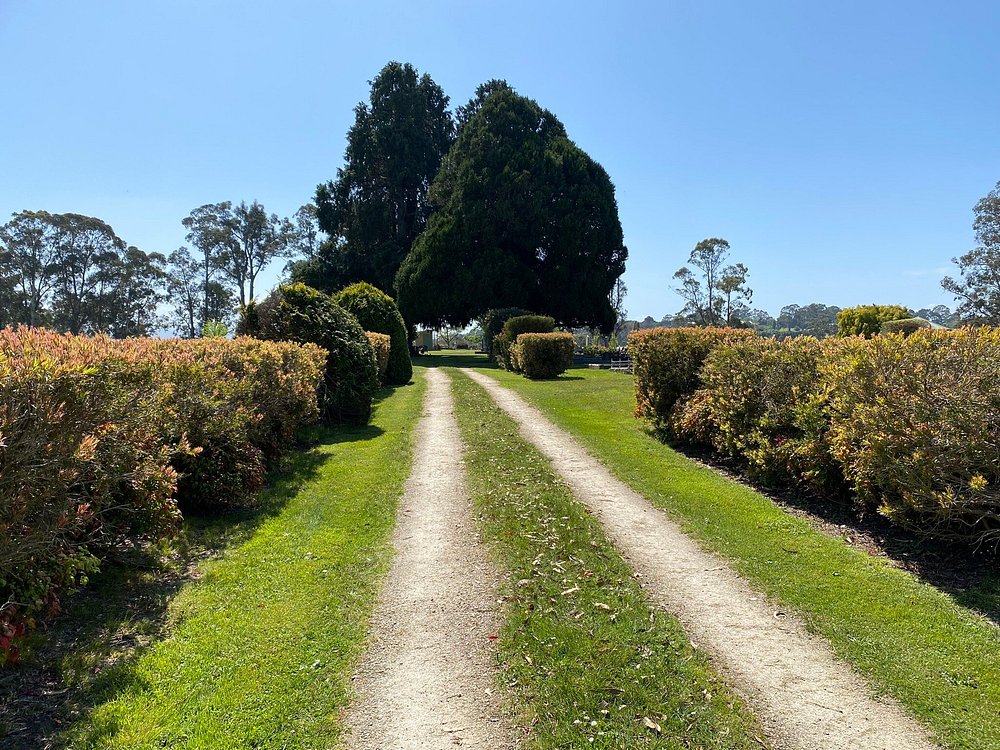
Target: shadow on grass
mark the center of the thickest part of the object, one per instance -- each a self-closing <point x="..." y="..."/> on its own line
<point x="457" y="358"/>
<point x="89" y="653"/>
<point x="475" y="360"/>
<point x="971" y="577"/>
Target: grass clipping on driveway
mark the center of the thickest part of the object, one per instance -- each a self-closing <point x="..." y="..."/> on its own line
<point x="591" y="664"/>
<point x="940" y="660"/>
<point x="261" y="647"/>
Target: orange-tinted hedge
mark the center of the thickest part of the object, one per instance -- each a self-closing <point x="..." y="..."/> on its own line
<point x="667" y="362"/>
<point x="100" y="440"/>
<point x="382" y="344"/>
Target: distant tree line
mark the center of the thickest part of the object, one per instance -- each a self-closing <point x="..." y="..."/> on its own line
<point x="793" y="320"/>
<point x="717" y="294"/>
<point x="73" y="273"/>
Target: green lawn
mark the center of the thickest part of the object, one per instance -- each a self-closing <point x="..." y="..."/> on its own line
<point x="941" y="660"/>
<point x="590" y="663"/>
<point x="258" y="651"/>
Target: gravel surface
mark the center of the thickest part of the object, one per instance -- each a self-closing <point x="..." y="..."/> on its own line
<point x="427" y="680"/>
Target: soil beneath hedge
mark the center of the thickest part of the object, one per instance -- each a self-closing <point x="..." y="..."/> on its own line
<point x="804" y="697"/>
<point x="61" y="675"/>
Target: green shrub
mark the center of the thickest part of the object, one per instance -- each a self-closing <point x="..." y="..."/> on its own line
<point x="763" y="401"/>
<point x="666" y="363"/>
<point x="905" y="326"/>
<point x="382" y="345"/>
<point x="513" y="328"/>
<point x="914" y="424"/>
<point x="214" y="329"/>
<point x="542" y="355"/>
<point x="600" y="352"/>
<point x="296" y="312"/>
<point x="909" y="423"/>
<point x="376" y="312"/>
<point x="492" y="321"/>
<point x="867" y="320"/>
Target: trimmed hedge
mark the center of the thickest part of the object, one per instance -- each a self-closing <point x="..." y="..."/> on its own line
<point x="667" y="362"/>
<point x="492" y="321"/>
<point x="905" y="326"/>
<point x="296" y="312"/>
<point x="763" y="401"/>
<point x="101" y="439"/>
<point x="542" y="355"/>
<point x="382" y="346"/>
<point x="909" y="424"/>
<point x="376" y="311"/>
<point x="513" y="328"/>
<point x="915" y="423"/>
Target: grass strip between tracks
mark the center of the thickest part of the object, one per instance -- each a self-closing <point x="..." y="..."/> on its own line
<point x="588" y="660"/>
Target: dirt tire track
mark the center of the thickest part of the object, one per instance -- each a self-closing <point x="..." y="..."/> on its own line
<point x="804" y="697"/>
<point x="426" y="681"/>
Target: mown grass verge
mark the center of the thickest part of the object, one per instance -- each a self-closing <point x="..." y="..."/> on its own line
<point x="941" y="660"/>
<point x="591" y="664"/>
<point x="259" y="649"/>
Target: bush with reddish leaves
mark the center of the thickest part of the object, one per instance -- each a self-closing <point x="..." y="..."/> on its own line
<point x="100" y="440"/>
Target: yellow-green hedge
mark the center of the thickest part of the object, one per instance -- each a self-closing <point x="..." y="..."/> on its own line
<point x="382" y="344"/>
<point x="909" y="424"/>
<point x="667" y="363"/>
<point x="542" y="355"/>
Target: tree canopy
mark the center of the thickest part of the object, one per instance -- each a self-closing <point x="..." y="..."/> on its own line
<point x="713" y="298"/>
<point x="978" y="289"/>
<point x="377" y="205"/>
<point x="240" y="240"/>
<point x="74" y="273"/>
<point x="522" y="218"/>
<point x="867" y="320"/>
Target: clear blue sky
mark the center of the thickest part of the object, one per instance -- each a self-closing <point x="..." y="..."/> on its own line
<point x="839" y="147"/>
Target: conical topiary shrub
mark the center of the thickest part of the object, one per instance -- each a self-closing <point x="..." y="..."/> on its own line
<point x="296" y="312"/>
<point x="376" y="312"/>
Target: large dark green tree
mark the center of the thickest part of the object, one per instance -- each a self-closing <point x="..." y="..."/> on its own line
<point x="522" y="218"/>
<point x="377" y="205"/>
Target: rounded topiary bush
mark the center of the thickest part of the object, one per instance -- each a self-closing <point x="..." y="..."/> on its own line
<point x="296" y="312"/>
<point x="376" y="312"/>
<point x="513" y="328"/>
<point x="905" y="326"/>
<point x="491" y="322"/>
